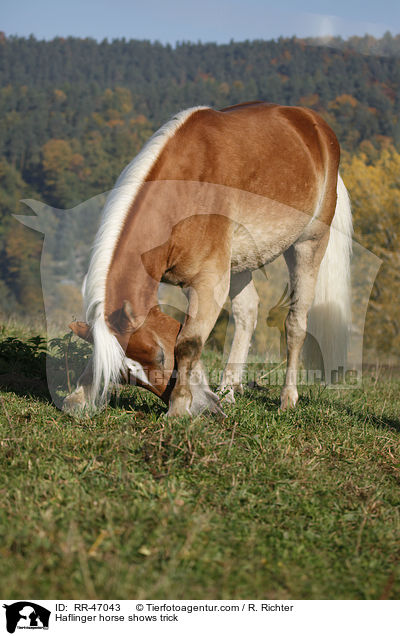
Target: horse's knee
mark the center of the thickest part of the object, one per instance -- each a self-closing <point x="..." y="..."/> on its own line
<point x="296" y="326"/>
<point x="188" y="349"/>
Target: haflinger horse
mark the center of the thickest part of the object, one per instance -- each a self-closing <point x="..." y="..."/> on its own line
<point x="213" y="196"/>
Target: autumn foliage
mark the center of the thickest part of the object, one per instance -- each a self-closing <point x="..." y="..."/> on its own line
<point x="74" y="112"/>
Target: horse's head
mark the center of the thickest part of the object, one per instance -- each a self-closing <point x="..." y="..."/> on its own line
<point x="149" y="348"/>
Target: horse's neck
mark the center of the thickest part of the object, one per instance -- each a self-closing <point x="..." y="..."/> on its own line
<point x="138" y="264"/>
<point x="130" y="281"/>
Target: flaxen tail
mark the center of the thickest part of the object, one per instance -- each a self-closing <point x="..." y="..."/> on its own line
<point x="329" y="320"/>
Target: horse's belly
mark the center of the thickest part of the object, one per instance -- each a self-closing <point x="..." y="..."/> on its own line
<point x="260" y="239"/>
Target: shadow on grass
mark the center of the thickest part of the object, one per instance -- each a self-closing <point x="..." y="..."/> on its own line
<point x="378" y="421"/>
<point x="25" y="386"/>
<point x="23" y="367"/>
<point x="140" y="400"/>
<point x="314" y="397"/>
<point x="263" y="396"/>
<point x="381" y="421"/>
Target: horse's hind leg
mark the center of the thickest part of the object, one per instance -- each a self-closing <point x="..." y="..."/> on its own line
<point x="303" y="260"/>
<point x="244" y="308"/>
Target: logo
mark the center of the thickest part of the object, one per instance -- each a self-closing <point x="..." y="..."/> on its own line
<point x="26" y="615"/>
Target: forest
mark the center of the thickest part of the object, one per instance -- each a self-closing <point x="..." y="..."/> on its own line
<point x="74" y="112"/>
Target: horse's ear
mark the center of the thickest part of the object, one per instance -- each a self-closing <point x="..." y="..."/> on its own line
<point x="82" y="330"/>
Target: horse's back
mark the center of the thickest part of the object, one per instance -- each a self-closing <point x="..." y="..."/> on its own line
<point x="277" y="152"/>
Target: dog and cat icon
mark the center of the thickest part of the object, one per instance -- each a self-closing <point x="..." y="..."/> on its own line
<point x="26" y="615"/>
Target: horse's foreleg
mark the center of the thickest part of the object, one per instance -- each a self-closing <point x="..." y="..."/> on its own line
<point x="303" y="261"/>
<point x="191" y="393"/>
<point x="244" y="308"/>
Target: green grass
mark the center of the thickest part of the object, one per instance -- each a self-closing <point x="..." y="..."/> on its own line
<point x="262" y="504"/>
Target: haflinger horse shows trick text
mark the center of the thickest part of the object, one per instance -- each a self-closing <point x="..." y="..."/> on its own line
<point x="213" y="197"/>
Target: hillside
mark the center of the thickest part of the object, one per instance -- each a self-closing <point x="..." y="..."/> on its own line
<point x="74" y="111"/>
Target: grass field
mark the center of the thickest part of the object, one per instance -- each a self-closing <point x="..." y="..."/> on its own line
<point x="262" y="504"/>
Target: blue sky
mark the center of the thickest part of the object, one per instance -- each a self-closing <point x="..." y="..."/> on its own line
<point x="205" y="20"/>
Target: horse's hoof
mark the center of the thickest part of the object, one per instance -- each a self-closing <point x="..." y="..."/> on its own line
<point x="205" y="400"/>
<point x="289" y="397"/>
<point x="226" y="394"/>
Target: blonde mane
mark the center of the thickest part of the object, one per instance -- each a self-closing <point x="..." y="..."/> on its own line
<point x="108" y="356"/>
